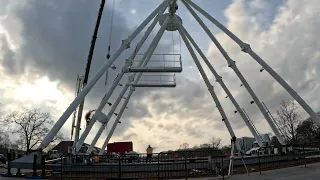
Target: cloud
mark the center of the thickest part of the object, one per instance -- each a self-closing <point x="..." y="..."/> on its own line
<point x="8" y="57"/>
<point x="288" y="45"/>
<point x="55" y="43"/>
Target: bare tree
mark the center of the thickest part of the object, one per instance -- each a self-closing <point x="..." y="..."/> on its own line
<point x="205" y="145"/>
<point x="31" y="126"/>
<point x="4" y="136"/>
<point x="184" y="146"/>
<point x="215" y="142"/>
<point x="288" y="119"/>
<point x="195" y="147"/>
<point x="4" y="139"/>
<point x="226" y="148"/>
<point x="307" y="132"/>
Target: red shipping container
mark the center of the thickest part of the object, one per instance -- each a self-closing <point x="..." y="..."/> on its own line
<point x="119" y="147"/>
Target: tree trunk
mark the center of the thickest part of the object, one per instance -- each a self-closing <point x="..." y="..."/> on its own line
<point x="28" y="147"/>
<point x="293" y="135"/>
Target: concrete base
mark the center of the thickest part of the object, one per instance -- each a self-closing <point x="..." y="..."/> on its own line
<point x="26" y="162"/>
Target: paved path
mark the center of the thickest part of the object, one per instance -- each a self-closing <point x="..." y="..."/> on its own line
<point x="312" y="172"/>
<point x="13" y="171"/>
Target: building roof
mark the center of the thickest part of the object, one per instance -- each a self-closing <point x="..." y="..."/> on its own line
<point x="63" y="146"/>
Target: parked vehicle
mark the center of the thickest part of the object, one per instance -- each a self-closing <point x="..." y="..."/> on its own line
<point x="53" y="154"/>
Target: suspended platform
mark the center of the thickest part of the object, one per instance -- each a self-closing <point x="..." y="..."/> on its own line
<point x="153" y="85"/>
<point x="159" y="63"/>
<point x="153" y="80"/>
<point x="156" y="69"/>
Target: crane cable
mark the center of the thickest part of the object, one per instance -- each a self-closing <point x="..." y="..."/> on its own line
<point x="109" y="46"/>
<point x="110" y="32"/>
<point x="109" y="51"/>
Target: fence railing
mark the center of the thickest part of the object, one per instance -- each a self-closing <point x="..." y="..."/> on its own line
<point x="141" y="166"/>
<point x="286" y="156"/>
<point x="177" y="164"/>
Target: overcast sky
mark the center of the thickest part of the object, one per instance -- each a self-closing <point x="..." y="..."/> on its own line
<point x="44" y="45"/>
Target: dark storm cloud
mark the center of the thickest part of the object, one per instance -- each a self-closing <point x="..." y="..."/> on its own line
<point x="56" y="40"/>
<point x="8" y="59"/>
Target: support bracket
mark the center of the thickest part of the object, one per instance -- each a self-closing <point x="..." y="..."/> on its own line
<point x="101" y="117"/>
<point x="126" y="43"/>
<point x="245" y="47"/>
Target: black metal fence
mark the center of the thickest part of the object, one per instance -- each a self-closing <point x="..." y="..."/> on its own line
<point x="280" y="157"/>
<point x="170" y="165"/>
<point x="139" y="166"/>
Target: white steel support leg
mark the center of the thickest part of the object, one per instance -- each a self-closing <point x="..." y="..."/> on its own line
<point x="231" y="164"/>
<point x="211" y="90"/>
<point x="116" y="122"/>
<point x="102" y="127"/>
<point x="119" y="76"/>
<point x="84" y="135"/>
<point x="220" y="81"/>
<point x="232" y="64"/>
<point x="210" y="87"/>
<point x="231" y="160"/>
<point x="146" y="58"/>
<point x="149" y="53"/>
<point x="125" y="45"/>
<point x="246" y="48"/>
<point x="95" y="139"/>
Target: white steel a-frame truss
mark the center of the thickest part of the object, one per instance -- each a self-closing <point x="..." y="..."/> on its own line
<point x="171" y="22"/>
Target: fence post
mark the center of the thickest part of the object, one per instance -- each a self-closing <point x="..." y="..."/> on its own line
<point x="159" y="165"/>
<point x="43" y="166"/>
<point x="185" y="166"/>
<point x="222" y="167"/>
<point x="34" y="165"/>
<point x="9" y="164"/>
<point x="119" y="167"/>
<point x="18" y="174"/>
<point x="61" y="159"/>
<point x="304" y="156"/>
<point x="259" y="162"/>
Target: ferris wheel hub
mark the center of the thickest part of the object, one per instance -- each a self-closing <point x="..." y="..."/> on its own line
<point x="172" y="24"/>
